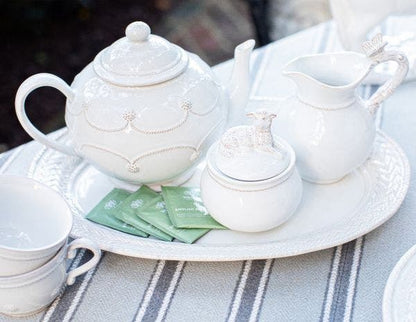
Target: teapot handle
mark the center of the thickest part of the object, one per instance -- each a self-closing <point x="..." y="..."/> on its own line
<point x="72" y="251"/>
<point x="375" y="51"/>
<point x="29" y="85"/>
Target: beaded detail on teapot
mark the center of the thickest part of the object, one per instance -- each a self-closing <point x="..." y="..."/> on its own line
<point x="176" y="106"/>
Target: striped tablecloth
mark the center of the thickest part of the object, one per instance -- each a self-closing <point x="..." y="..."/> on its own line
<point x="342" y="283"/>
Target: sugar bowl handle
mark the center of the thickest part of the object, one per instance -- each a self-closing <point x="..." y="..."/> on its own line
<point x="72" y="250"/>
<point x="29" y="85"/>
<point x="374" y="50"/>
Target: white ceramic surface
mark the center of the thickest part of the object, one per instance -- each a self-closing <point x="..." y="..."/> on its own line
<point x="35" y="222"/>
<point x="399" y="301"/>
<point x="250" y="183"/>
<point x="328" y="215"/>
<point x="328" y="125"/>
<point x="141" y="102"/>
<point x="31" y="292"/>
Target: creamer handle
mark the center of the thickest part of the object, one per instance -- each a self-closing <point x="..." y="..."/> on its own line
<point x="374" y="49"/>
<point x="72" y="250"/>
<point x="29" y="85"/>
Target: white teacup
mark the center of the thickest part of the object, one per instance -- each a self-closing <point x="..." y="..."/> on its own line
<point x="31" y="292"/>
<point x="35" y="222"/>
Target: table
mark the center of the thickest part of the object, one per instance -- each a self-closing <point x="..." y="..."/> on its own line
<point x="342" y="283"/>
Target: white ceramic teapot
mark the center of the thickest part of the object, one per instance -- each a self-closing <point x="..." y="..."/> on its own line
<point x="145" y="110"/>
<point x="328" y="125"/>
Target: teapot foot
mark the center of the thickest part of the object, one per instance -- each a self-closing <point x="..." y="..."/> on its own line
<point x="178" y="181"/>
<point x="130" y="186"/>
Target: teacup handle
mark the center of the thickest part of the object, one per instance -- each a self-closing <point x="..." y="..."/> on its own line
<point x="72" y="251"/>
<point x="374" y="50"/>
<point x="29" y="85"/>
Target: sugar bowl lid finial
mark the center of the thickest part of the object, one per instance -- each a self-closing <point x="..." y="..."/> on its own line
<point x="249" y="152"/>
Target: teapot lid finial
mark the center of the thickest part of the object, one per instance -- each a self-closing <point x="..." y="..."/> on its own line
<point x="138" y="31"/>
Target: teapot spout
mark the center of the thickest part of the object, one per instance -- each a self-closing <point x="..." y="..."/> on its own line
<point x="239" y="85"/>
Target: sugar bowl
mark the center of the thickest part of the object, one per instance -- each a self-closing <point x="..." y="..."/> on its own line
<point x="251" y="183"/>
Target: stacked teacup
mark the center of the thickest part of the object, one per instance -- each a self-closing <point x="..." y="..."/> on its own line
<point x="35" y="222"/>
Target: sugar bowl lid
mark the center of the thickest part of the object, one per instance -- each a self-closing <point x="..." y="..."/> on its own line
<point x="250" y="153"/>
<point x="140" y="58"/>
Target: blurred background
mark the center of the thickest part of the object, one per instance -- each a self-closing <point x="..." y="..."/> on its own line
<point x="62" y="36"/>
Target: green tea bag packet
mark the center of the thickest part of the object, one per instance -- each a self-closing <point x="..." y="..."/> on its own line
<point x="127" y="212"/>
<point x="102" y="213"/>
<point x="156" y="214"/>
<point x="186" y="209"/>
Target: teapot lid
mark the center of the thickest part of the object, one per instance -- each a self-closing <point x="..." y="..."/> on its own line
<point x="250" y="153"/>
<point x="140" y="58"/>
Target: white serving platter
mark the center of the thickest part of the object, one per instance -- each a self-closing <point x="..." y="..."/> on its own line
<point x="329" y="215"/>
<point x="399" y="301"/>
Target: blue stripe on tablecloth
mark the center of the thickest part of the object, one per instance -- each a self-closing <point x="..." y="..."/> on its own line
<point x="162" y="285"/>
<point x="238" y="289"/>
<point x="357" y="276"/>
<point x="172" y="291"/>
<point x="261" y="293"/>
<point x="147" y="295"/>
<point x="260" y="269"/>
<point x="340" y="295"/>
<point x="329" y="286"/>
<point x="339" y="298"/>
<point x="163" y="292"/>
